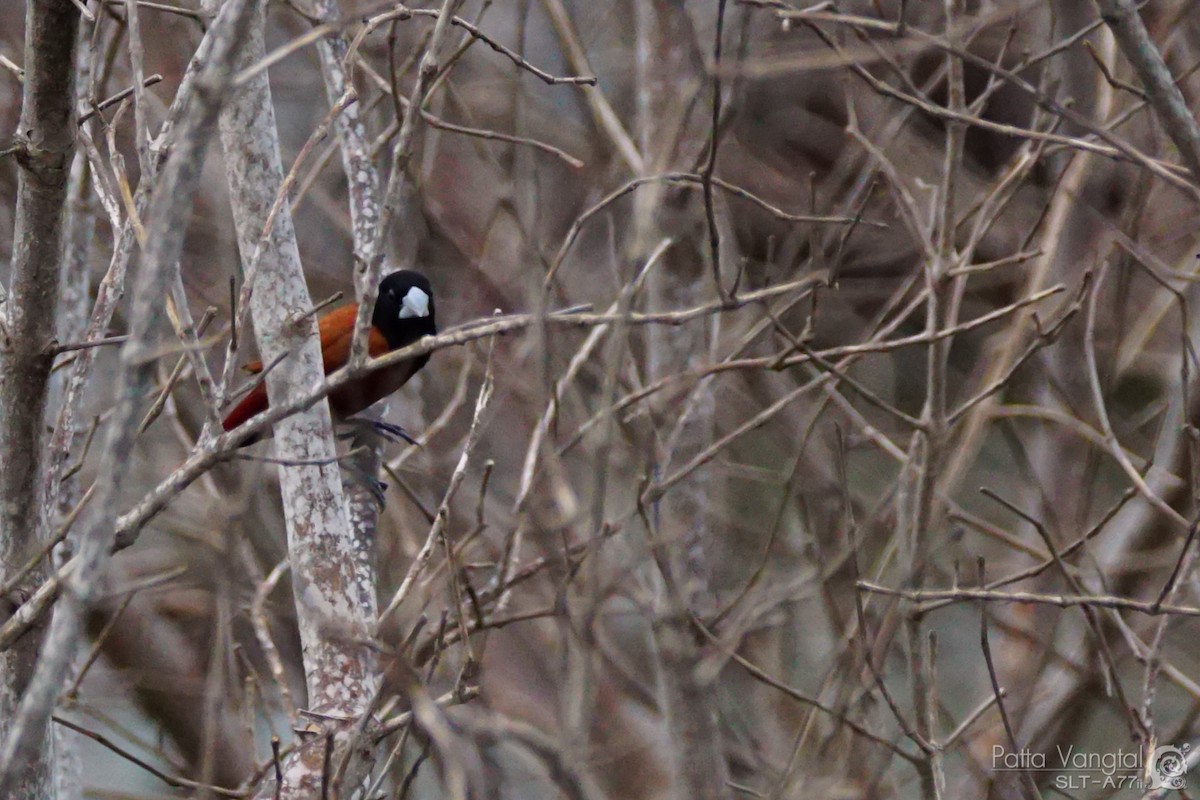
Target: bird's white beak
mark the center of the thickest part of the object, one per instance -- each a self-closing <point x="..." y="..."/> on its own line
<point x="415" y="304"/>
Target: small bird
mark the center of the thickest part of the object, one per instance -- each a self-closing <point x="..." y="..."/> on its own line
<point x="403" y="314"/>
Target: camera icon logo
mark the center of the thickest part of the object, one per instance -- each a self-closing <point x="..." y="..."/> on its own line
<point x="1168" y="766"/>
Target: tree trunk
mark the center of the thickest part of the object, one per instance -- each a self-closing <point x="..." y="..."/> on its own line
<point x="45" y="144"/>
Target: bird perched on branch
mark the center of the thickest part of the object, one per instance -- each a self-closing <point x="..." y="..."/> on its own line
<point x="403" y="314"/>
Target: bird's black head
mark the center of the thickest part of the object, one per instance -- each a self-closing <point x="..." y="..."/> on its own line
<point x="404" y="308"/>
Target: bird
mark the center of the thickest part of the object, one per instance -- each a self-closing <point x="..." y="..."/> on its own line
<point x="403" y="314"/>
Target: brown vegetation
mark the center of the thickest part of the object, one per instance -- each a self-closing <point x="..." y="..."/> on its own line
<point x="814" y="413"/>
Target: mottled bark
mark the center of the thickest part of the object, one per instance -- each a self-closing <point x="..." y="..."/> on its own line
<point x="363" y="183"/>
<point x="329" y="581"/>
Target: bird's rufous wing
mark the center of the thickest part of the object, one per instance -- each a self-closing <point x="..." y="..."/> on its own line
<point x="337" y="332"/>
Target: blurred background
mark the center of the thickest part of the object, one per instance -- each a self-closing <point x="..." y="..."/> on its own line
<point x="708" y="466"/>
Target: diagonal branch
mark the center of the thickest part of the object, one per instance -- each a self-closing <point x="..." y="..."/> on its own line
<point x="1165" y="98"/>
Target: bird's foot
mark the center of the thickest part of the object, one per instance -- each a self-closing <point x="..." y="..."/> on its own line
<point x="376" y="487"/>
<point x="387" y="430"/>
